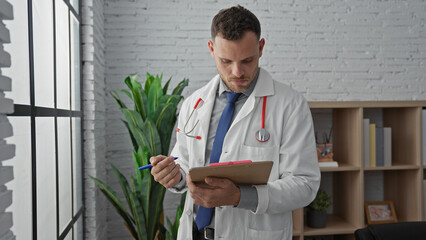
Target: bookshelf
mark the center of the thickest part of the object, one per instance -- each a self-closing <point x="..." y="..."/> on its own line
<point x="401" y="183"/>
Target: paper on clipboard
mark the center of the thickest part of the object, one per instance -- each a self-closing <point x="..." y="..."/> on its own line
<point x="254" y="173"/>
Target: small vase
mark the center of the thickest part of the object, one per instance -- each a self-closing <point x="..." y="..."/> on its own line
<point x="316" y="219"/>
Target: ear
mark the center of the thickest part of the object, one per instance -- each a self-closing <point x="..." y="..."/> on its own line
<point x="261" y="45"/>
<point x="210" y="44"/>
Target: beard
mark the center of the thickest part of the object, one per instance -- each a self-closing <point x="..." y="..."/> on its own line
<point x="237" y="84"/>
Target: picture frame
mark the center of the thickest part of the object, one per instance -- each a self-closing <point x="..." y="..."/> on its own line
<point x="380" y="212"/>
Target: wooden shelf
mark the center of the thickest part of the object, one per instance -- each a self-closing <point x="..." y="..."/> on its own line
<point x="296" y="233"/>
<point x="402" y="183"/>
<point x="398" y="167"/>
<point x="341" y="168"/>
<point x="334" y="225"/>
<point x="367" y="104"/>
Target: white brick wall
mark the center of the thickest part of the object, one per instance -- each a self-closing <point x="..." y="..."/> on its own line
<point x="94" y="116"/>
<point x="7" y="151"/>
<point x="328" y="50"/>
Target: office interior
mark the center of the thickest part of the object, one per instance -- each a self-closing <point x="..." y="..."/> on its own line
<point x="61" y="60"/>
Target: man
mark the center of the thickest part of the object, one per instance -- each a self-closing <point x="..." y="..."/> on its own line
<point x="226" y="129"/>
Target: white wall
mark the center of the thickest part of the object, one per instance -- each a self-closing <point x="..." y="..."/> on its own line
<point x="7" y="151"/>
<point x="93" y="42"/>
<point x="328" y="50"/>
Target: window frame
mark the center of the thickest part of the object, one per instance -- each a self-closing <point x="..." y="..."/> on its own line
<point x="32" y="111"/>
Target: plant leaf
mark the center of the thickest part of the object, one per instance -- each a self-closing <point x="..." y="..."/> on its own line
<point x="179" y="88"/>
<point x="116" y="202"/>
<point x="165" y="123"/>
<point x="170" y="229"/>
<point x="145" y="194"/>
<point x="138" y="99"/>
<point x="156" y="206"/>
<point x="139" y="215"/>
<point x="136" y="126"/>
<point x="150" y="126"/>
<point x="137" y="162"/>
<point x="127" y="93"/>
<point x="148" y="82"/>
<point x="128" y="82"/>
<point x="163" y="232"/>
<point x="135" y="83"/>
<point x="179" y="212"/>
<point x="166" y="86"/>
<point x="154" y="139"/>
<point x="124" y="185"/>
<point x="154" y="95"/>
<point x="134" y="142"/>
<point x="117" y="99"/>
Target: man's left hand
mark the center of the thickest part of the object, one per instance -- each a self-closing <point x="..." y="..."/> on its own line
<point x="223" y="193"/>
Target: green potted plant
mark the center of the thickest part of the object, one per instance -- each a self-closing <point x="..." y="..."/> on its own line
<point x="317" y="210"/>
<point x="150" y="125"/>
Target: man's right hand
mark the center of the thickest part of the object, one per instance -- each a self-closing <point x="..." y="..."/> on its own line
<point x="165" y="171"/>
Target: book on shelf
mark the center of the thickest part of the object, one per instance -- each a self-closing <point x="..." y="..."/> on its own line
<point x="424" y="135"/>
<point x="372" y="145"/>
<point x="383" y="146"/>
<point x="387" y="146"/>
<point x="380" y="160"/>
<point x="329" y="164"/>
<point x="366" y="141"/>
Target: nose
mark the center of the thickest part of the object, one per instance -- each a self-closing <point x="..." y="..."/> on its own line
<point x="237" y="70"/>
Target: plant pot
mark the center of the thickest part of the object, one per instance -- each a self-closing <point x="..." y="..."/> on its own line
<point x="316" y="219"/>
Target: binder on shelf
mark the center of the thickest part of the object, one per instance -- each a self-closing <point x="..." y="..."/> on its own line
<point x="366" y="141"/>
<point x="387" y="146"/>
<point x="380" y="161"/>
<point x="372" y="145"/>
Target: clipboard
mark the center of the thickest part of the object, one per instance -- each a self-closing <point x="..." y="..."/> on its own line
<point x="253" y="173"/>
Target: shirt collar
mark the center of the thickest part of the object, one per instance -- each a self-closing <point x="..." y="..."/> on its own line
<point x="223" y="88"/>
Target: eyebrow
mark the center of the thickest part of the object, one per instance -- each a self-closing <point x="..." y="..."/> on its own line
<point x="247" y="58"/>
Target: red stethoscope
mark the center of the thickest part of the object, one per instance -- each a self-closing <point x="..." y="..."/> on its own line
<point x="188" y="133"/>
<point x="261" y="135"/>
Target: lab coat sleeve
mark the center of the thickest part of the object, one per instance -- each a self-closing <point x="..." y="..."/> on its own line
<point x="180" y="149"/>
<point x="299" y="174"/>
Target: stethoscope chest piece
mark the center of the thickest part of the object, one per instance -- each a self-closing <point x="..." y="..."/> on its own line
<point x="262" y="135"/>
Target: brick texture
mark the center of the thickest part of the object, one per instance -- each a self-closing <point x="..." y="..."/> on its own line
<point x="7" y="151"/>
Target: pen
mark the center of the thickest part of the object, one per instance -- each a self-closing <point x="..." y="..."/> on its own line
<point x="149" y="166"/>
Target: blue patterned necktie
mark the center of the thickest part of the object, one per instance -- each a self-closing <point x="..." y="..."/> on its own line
<point x="204" y="215"/>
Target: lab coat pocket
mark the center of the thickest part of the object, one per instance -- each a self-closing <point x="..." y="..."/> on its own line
<point x="270" y="226"/>
<point x="257" y="154"/>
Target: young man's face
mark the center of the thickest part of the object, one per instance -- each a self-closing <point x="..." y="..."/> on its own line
<point x="237" y="61"/>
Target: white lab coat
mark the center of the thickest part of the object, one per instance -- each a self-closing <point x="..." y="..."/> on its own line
<point x="295" y="175"/>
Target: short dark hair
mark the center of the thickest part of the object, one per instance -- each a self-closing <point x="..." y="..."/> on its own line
<point x="232" y="23"/>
